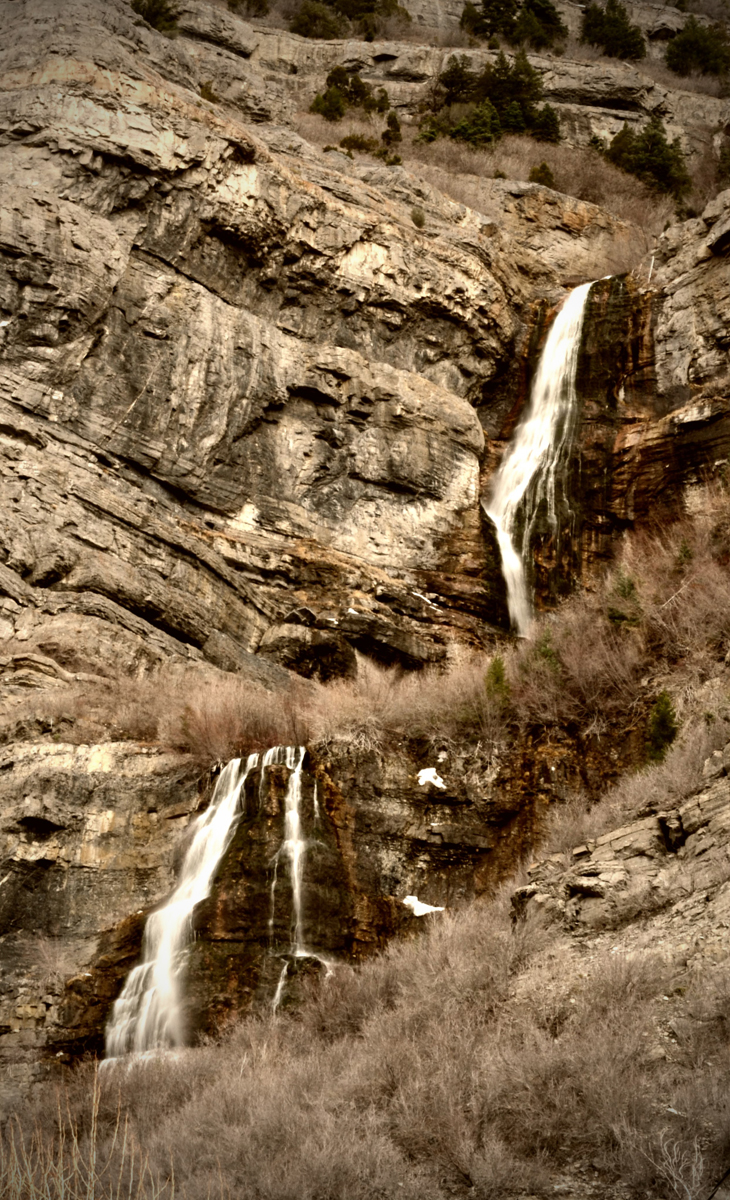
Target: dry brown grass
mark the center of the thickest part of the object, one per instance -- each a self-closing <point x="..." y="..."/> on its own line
<point x="654" y="788"/>
<point x="464" y="174"/>
<point x="213" y="718"/>
<point x="459" y="172"/>
<point x="482" y="1059"/>
<point x="659" y="619"/>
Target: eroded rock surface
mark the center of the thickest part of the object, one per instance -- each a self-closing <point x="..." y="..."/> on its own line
<point x="673" y="859"/>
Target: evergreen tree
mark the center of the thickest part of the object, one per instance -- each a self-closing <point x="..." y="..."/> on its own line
<point x="513" y="120"/>
<point x="546" y="125"/>
<point x="539" y="24"/>
<point x="652" y="158"/>
<point x="610" y="29"/>
<point x="481" y="128"/>
<point x="697" y="48"/>
<point x="542" y="174"/>
<point x="458" y="80"/>
<point x="316" y="20"/>
<point x="662" y="728"/>
<point x="536" y="22"/>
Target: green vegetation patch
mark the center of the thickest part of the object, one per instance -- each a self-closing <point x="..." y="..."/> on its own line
<point x="334" y="18"/>
<point x="652" y="158"/>
<point x="662" y="728"/>
<point x="542" y="174"/>
<point x="699" y="48"/>
<point x="479" y="106"/>
<point x="535" y="23"/>
<point x="345" y="89"/>
<point x="610" y="29"/>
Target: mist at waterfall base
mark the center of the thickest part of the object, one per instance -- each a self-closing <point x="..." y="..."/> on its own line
<point x="147" y="1016"/>
<point x="529" y="471"/>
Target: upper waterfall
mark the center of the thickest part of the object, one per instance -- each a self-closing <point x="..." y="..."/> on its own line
<point x="528" y="472"/>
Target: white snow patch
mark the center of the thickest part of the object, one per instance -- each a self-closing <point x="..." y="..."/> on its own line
<point x="354" y="612"/>
<point x="422" y="597"/>
<point x="418" y="909"/>
<point x="428" y="775"/>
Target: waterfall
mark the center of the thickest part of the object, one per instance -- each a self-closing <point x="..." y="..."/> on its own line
<point x="147" y="1014"/>
<point x="529" y="470"/>
<point x="293" y="848"/>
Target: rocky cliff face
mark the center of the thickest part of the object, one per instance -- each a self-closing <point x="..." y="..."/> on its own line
<point x="247" y="415"/>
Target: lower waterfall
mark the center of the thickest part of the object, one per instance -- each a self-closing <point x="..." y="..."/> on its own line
<point x="148" y="1013"/>
<point x="528" y="472"/>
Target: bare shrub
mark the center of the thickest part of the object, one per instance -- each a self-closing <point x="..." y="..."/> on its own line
<point x="229" y="716"/>
<point x="451" y="703"/>
<point x="479" y="1056"/>
<point x="54" y="958"/>
<point x="457" y="171"/>
<point x="575" y="667"/>
<point x="464" y="173"/>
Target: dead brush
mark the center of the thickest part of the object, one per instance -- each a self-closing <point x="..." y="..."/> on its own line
<point x="478" y="1056"/>
<point x="575" y="667"/>
<point x="452" y="703"/>
<point x="464" y="175"/>
<point x="229" y="716"/>
<point x="77" y="1161"/>
<point x="54" y="959"/>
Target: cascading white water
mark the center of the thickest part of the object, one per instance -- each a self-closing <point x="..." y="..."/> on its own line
<point x="529" y="471"/>
<point x="292" y="848"/>
<point x="147" y="1014"/>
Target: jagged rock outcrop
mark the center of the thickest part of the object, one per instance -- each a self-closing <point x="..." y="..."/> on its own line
<point x="676" y="859"/>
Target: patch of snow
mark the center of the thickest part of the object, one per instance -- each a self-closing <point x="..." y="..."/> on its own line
<point x="418" y="909"/>
<point x="428" y="775"/>
<point x="422" y="597"/>
<point x="354" y="612"/>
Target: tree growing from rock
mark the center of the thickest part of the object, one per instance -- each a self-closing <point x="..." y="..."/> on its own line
<point x="504" y="98"/>
<point x="345" y="89"/>
<point x="652" y="158"/>
<point x="699" y="48"/>
<point x="533" y="22"/>
<point x="610" y="29"/>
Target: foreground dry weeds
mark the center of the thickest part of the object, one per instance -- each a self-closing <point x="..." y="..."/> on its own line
<point x="482" y="1059"/>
